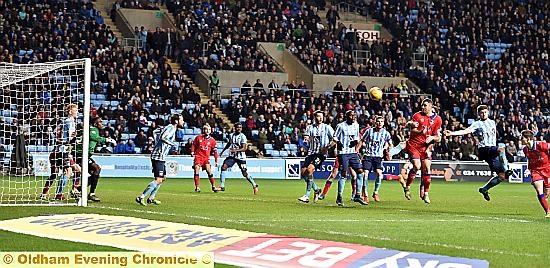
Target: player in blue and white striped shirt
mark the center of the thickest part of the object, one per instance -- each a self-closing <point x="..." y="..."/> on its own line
<point x="320" y="136"/>
<point x="237" y="146"/>
<point x="68" y="133"/>
<point x="163" y="143"/>
<point x="347" y="138"/>
<point x="486" y="132"/>
<point x="376" y="140"/>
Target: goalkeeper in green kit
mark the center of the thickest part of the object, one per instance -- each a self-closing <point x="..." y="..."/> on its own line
<point x="93" y="168"/>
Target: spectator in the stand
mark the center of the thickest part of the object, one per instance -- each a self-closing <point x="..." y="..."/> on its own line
<point x="279" y="143"/>
<point x="332" y="18"/>
<point x="246" y="88"/>
<point x="120" y="147"/>
<point x="140" y="140"/>
<point x="186" y="148"/>
<point x="258" y="88"/>
<point x="148" y="148"/>
<point x="214" y="84"/>
<point x="362" y="87"/>
<point x="130" y="147"/>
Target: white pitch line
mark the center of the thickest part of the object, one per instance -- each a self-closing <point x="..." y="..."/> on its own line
<point x="381" y="220"/>
<point x="381" y="238"/>
<point x="473" y="216"/>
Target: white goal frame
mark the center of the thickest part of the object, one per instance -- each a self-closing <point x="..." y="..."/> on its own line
<point x="11" y="74"/>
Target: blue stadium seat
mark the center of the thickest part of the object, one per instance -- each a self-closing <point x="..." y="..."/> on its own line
<point x="189" y="131"/>
<point x="137" y="150"/>
<point x="133" y="136"/>
<point x="101" y="97"/>
<point x="255" y="133"/>
<point x="268" y="146"/>
<point x="224" y="103"/>
<point x="242" y="119"/>
<point x="115" y="103"/>
<point x="269" y="152"/>
<point x="293" y="147"/>
<point x="283" y="153"/>
<point x="125" y="136"/>
<point x="197" y="131"/>
<point x="275" y="153"/>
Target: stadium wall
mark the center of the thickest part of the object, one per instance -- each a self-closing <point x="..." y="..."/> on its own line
<point x="229" y="79"/>
<point x="138" y="166"/>
<point x="150" y="19"/>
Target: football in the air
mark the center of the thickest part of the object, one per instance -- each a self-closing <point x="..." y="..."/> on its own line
<point x="375" y="93"/>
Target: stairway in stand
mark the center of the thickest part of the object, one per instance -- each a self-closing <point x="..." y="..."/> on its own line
<point x="105" y="8"/>
<point x="204" y="96"/>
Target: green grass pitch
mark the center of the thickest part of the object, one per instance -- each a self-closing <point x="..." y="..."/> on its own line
<point x="508" y="231"/>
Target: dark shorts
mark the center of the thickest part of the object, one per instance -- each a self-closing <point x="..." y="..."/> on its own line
<point x="349" y="160"/>
<point x="315" y="159"/>
<point x="59" y="160"/>
<point x="159" y="169"/>
<point x="490" y="155"/>
<point x="372" y="163"/>
<point x="230" y="161"/>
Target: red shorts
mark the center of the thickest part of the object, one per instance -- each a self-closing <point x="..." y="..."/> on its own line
<point x="336" y="164"/>
<point x="202" y="162"/>
<point x="544" y="175"/>
<point x="416" y="152"/>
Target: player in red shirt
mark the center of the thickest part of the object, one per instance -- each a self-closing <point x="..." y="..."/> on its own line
<point x="425" y="130"/>
<point x="538" y="156"/>
<point x="202" y="148"/>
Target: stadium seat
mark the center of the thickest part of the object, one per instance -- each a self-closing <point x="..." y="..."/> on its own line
<point x="125" y="136"/>
<point x="189" y="131"/>
<point x="115" y="103"/>
<point x="269" y="152"/>
<point x="287" y="146"/>
<point x="268" y="146"/>
<point x="133" y="136"/>
<point x="293" y="147"/>
<point x="224" y="103"/>
<point x="137" y="150"/>
<point x="255" y="133"/>
<point x="283" y="153"/>
<point x="242" y="119"/>
<point x="275" y="153"/>
<point x="197" y="131"/>
<point x="101" y="97"/>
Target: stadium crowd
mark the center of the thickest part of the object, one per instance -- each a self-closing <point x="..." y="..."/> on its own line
<point x="141" y="89"/>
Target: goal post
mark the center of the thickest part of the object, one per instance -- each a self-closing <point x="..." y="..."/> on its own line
<point x="39" y="162"/>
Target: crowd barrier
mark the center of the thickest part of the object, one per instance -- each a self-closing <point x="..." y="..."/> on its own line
<point x="134" y="166"/>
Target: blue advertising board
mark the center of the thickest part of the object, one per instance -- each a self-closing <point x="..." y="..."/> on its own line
<point x="132" y="166"/>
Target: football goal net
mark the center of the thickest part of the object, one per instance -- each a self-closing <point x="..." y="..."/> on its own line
<point x="44" y="110"/>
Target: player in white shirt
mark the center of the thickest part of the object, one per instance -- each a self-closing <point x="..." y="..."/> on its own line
<point x="163" y="143"/>
<point x="237" y="146"/>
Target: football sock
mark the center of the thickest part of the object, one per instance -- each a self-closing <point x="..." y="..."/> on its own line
<point x="391" y="177"/>
<point x="543" y="202"/>
<point x="251" y="180"/>
<point x="341" y="185"/>
<point x="150" y="187"/>
<point x="353" y="185"/>
<point x="410" y="177"/>
<point x="426" y="181"/>
<point x="197" y="180"/>
<point x="94" y="179"/>
<point x="154" y="192"/>
<point x="327" y="187"/>
<point x="494" y="181"/>
<point x="222" y="179"/>
<point x="76" y="182"/>
<point x="48" y="184"/>
<point x="313" y="184"/>
<point x="365" y="186"/>
<point x="211" y="179"/>
<point x="359" y="183"/>
<point x="503" y="160"/>
<point x="308" y="185"/>
<point x="378" y="182"/>
<point x="61" y="184"/>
